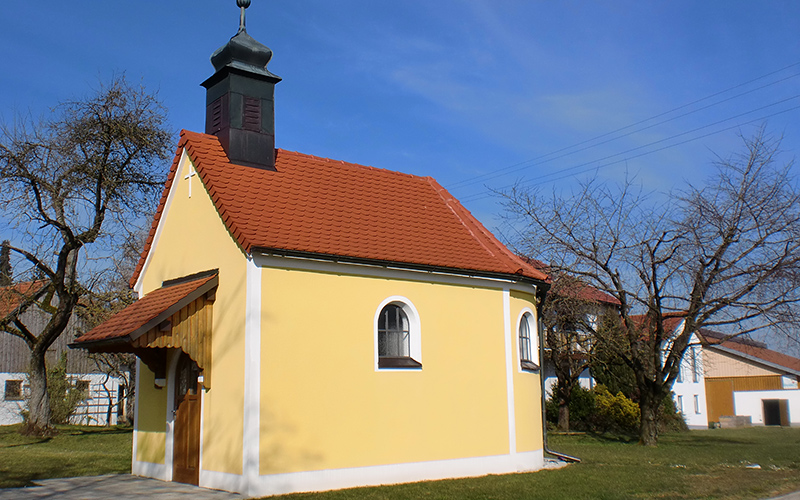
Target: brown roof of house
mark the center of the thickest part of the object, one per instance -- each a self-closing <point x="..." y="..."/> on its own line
<point x="150" y="310"/>
<point x="11" y="297"/>
<point x="317" y="206"/>
<point x="752" y="349"/>
<point x="584" y="291"/>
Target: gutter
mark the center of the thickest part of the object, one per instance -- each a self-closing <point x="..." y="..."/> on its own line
<point x="560" y="456"/>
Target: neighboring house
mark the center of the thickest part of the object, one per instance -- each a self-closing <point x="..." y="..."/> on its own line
<point x="689" y="389"/>
<point x="743" y="377"/>
<point x="735" y="377"/>
<point x="104" y="392"/>
<point x="308" y="324"/>
<point x="598" y="303"/>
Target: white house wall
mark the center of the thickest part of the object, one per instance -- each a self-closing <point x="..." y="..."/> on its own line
<point x="690" y="392"/>
<point x="91" y="411"/>
<point x="750" y="403"/>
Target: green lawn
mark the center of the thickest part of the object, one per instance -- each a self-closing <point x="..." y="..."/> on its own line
<point x="75" y="451"/>
<point x="697" y="464"/>
<point x="691" y="465"/>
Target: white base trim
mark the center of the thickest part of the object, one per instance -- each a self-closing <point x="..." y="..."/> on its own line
<point x="149" y="469"/>
<point x="222" y="481"/>
<point x="334" y="479"/>
<point x="323" y="480"/>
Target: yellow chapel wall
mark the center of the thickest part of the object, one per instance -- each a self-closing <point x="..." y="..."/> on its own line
<point x="324" y="405"/>
<point x="193" y="238"/>
<point x="527" y="385"/>
<point x="150" y="425"/>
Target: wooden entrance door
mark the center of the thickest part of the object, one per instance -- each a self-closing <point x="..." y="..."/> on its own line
<point x="186" y="442"/>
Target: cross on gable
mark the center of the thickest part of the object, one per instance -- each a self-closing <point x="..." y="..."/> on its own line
<point x="188" y="177"/>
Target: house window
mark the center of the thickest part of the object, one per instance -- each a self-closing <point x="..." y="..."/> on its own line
<point x="13" y="390"/>
<point x="398" y="336"/>
<point x="83" y="386"/>
<point x="694" y="365"/>
<point x="679" y="403"/>
<point x="527" y="356"/>
<point x="697" y="404"/>
<point x="679" y="378"/>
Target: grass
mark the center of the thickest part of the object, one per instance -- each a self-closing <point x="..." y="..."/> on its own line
<point x="693" y="465"/>
<point x="74" y="451"/>
<point x="710" y="464"/>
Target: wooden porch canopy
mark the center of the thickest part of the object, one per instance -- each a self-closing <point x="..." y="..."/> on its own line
<point x="177" y="315"/>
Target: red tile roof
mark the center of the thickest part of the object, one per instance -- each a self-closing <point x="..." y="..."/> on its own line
<point x="318" y="206"/>
<point x="671" y="321"/>
<point x="584" y="291"/>
<point x="142" y="313"/>
<point x="11" y="297"/>
<point x="753" y="349"/>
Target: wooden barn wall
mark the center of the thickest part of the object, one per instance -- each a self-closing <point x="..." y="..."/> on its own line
<point x="719" y="392"/>
<point x="15" y="355"/>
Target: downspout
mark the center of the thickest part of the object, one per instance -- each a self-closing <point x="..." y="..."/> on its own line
<point x="541" y="295"/>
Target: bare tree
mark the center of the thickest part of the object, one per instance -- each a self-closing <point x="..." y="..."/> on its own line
<point x="724" y="256"/>
<point x="79" y="177"/>
<point x="570" y="316"/>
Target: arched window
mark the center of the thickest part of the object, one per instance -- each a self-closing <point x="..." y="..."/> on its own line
<point x="527" y="346"/>
<point x="395" y="338"/>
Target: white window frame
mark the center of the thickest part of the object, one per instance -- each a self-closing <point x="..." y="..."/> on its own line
<point x="414" y="331"/>
<point x="697" y="404"/>
<point x="533" y="328"/>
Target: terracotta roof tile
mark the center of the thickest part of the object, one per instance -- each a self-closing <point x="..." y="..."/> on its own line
<point x="11" y="297"/>
<point x="143" y="311"/>
<point x="321" y="206"/>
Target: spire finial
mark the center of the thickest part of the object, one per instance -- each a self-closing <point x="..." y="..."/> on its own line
<point x="243" y="4"/>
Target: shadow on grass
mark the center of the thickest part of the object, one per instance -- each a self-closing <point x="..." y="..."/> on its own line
<point x="38" y="441"/>
<point x="607" y="437"/>
<point x="99" y="430"/>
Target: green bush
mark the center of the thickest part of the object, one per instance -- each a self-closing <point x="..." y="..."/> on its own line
<point x="615" y="413"/>
<point x="669" y="418"/>
<point x="581" y="409"/>
<point x="598" y="410"/>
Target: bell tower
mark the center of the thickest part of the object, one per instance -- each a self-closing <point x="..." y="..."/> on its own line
<point x="240" y="105"/>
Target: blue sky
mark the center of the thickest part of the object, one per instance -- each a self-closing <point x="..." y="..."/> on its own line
<point x="458" y="90"/>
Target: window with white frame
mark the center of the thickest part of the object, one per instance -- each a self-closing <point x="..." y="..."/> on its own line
<point x="679" y="403"/>
<point x="13" y="390"/>
<point x="697" y="404"/>
<point x="397" y="329"/>
<point x="695" y="370"/>
<point x="527" y="345"/>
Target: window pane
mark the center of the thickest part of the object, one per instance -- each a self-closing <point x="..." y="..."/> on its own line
<point x="525" y="338"/>
<point x="393" y="333"/>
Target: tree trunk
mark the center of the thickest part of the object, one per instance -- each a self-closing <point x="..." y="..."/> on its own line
<point x="648" y="423"/>
<point x="563" y="416"/>
<point x="564" y="394"/>
<point x="38" y="422"/>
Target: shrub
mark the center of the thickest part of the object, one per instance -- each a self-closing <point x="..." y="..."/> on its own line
<point x="669" y="418"/>
<point x="615" y="413"/>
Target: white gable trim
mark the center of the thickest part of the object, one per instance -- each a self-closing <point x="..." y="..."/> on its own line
<point x="139" y="286"/>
